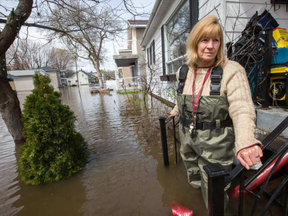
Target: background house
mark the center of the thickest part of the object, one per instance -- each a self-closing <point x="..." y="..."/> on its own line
<point x="23" y="79"/>
<point x="169" y="25"/>
<point x="131" y="62"/>
<point x="64" y="77"/>
<point x="54" y="75"/>
<point x="72" y="79"/>
<point x="85" y="78"/>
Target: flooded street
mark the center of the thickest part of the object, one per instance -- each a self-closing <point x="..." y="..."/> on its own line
<point x="125" y="174"/>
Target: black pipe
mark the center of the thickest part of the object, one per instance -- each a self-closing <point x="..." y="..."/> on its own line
<point x="164" y="140"/>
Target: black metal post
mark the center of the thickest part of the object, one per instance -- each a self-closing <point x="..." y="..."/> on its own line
<point x="285" y="207"/>
<point x="216" y="174"/>
<point x="267" y="67"/>
<point x="175" y="142"/>
<point x="241" y="195"/>
<point x="164" y="140"/>
<point x="163" y="49"/>
<point x="194" y="12"/>
<point x="256" y="71"/>
<point x="229" y="49"/>
<point x="286" y="89"/>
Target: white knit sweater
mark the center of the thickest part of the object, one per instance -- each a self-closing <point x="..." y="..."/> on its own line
<point x="235" y="86"/>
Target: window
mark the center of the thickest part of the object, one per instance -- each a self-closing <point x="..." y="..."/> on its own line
<point x="151" y="53"/>
<point x="177" y="32"/>
<point x="148" y="55"/>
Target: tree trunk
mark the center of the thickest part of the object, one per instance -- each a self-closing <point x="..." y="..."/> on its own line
<point x="99" y="74"/>
<point x="13" y="24"/>
<point x="10" y="106"/>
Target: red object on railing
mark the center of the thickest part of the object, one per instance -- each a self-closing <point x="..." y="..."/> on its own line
<point x="234" y="193"/>
<point x="178" y="210"/>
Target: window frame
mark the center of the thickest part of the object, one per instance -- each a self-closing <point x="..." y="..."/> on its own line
<point x="151" y="56"/>
<point x="181" y="57"/>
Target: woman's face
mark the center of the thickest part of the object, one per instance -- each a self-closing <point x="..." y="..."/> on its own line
<point x="207" y="51"/>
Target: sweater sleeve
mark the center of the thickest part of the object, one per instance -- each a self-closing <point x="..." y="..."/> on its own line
<point x="241" y="107"/>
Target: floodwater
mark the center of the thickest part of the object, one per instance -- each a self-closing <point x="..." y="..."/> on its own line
<point x="125" y="175"/>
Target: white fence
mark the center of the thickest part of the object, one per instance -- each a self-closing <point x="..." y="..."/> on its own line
<point x="129" y="83"/>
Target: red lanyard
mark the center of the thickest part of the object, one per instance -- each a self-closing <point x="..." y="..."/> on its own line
<point x="195" y="102"/>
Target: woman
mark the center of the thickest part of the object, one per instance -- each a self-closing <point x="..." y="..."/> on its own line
<point x="213" y="127"/>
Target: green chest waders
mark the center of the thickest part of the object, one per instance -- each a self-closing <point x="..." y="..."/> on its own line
<point x="213" y="141"/>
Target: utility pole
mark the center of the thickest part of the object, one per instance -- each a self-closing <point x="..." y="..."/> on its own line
<point x="76" y="58"/>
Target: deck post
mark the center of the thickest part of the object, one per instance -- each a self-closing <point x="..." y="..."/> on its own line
<point x="164" y="140"/>
<point x="216" y="174"/>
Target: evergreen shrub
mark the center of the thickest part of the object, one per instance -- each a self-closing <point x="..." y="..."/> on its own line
<point x="53" y="149"/>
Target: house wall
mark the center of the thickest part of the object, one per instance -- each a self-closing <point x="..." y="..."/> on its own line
<point x="134" y="41"/>
<point x="233" y="16"/>
<point x="23" y="84"/>
<point x="141" y="67"/>
<point x="126" y="72"/>
<point x="54" y="79"/>
<point x="72" y="80"/>
<point x="164" y="89"/>
<point x="83" y="78"/>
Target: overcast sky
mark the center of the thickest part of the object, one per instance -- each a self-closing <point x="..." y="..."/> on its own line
<point x="145" y="6"/>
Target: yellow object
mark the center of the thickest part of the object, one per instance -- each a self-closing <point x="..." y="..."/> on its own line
<point x="275" y="91"/>
<point x="12" y="85"/>
<point x="280" y="35"/>
<point x="279" y="70"/>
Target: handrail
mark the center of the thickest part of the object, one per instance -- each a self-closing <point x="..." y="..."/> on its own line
<point x="163" y="122"/>
<point x="220" y="179"/>
<point x="266" y="164"/>
<point x="237" y="171"/>
<point x="266" y="182"/>
<point x="266" y="142"/>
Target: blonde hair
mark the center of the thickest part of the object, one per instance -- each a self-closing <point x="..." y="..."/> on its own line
<point x="206" y="27"/>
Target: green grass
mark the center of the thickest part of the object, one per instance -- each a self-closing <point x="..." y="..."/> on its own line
<point x="130" y="92"/>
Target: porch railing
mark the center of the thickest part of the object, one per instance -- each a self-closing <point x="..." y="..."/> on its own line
<point x="219" y="178"/>
<point x="129" y="83"/>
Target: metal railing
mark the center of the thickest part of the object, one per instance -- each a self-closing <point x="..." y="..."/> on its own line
<point x="163" y="122"/>
<point x="128" y="83"/>
<point x="219" y="178"/>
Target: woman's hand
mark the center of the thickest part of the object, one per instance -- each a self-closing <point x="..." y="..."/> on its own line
<point x="249" y="156"/>
<point x="171" y="114"/>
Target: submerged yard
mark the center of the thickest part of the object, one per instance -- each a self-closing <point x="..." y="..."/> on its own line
<point x="125" y="174"/>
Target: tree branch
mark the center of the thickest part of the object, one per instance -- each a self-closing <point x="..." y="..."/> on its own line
<point x="36" y="25"/>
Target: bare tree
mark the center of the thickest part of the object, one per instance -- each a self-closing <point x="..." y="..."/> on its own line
<point x="61" y="59"/>
<point x="27" y="54"/>
<point x="86" y="28"/>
